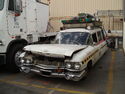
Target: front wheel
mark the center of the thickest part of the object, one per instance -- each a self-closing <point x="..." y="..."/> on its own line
<point x="13" y="57"/>
<point x="87" y="70"/>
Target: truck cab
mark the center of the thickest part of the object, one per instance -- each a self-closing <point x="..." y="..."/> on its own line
<point x="21" y="23"/>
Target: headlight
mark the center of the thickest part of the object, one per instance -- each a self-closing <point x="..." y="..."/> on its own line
<point x="28" y="61"/>
<point x="77" y="66"/>
<point x="22" y="60"/>
<point x="68" y="65"/>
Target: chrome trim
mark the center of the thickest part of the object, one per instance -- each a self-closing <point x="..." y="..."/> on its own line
<point x="48" y="67"/>
<point x="75" y="77"/>
<point x="69" y="75"/>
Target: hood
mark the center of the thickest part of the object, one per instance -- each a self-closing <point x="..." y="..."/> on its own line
<point x="54" y="49"/>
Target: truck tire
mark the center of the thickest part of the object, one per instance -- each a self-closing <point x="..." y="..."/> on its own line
<point x="12" y="57"/>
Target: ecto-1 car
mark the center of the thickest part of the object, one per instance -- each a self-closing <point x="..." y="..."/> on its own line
<point x="71" y="55"/>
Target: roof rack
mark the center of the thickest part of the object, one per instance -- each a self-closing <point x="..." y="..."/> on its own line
<point x="81" y="21"/>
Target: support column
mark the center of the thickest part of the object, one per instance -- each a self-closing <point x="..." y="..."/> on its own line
<point x="116" y="43"/>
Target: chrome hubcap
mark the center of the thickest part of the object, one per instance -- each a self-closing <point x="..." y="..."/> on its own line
<point x="17" y="58"/>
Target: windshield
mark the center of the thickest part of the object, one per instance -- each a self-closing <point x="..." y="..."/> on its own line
<point x="1" y="4"/>
<point x="78" y="38"/>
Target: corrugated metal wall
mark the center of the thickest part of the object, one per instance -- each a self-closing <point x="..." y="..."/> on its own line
<point x="72" y="7"/>
<point x="112" y="23"/>
<point x="62" y="9"/>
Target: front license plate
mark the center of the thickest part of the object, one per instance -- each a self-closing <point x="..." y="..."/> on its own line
<point x="46" y="72"/>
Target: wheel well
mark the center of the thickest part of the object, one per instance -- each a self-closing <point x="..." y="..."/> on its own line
<point x="89" y="65"/>
<point x="15" y="42"/>
<point x="12" y="49"/>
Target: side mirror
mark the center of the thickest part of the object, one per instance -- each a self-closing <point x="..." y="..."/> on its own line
<point x="18" y="7"/>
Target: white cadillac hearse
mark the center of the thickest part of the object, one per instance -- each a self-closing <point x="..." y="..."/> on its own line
<point x="71" y="55"/>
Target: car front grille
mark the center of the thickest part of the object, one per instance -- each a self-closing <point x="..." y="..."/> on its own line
<point x="49" y="61"/>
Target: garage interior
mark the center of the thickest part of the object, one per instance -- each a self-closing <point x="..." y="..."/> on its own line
<point x="106" y="77"/>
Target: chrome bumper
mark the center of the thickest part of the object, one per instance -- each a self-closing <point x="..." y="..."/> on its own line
<point x="48" y="72"/>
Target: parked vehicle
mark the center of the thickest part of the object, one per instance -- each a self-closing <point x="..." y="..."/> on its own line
<point x="124" y="38"/>
<point x="21" y="23"/>
<point x="124" y="27"/>
<point x="71" y="56"/>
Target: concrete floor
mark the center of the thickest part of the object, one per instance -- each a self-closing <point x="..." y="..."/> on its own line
<point x="107" y="77"/>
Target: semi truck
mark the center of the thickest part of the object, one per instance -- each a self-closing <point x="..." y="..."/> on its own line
<point x="124" y="26"/>
<point x="21" y="23"/>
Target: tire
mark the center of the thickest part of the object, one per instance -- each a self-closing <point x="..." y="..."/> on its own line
<point x="89" y="66"/>
<point x="88" y="69"/>
<point x="11" y="57"/>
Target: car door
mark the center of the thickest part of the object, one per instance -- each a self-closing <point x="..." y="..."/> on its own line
<point x="104" y="46"/>
<point x="100" y="43"/>
<point x="96" y="52"/>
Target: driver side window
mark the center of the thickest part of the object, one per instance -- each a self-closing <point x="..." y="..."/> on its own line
<point x="11" y="5"/>
<point x="15" y="6"/>
<point x="94" y="37"/>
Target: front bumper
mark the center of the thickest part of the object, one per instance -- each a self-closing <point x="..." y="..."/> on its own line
<point x="52" y="71"/>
